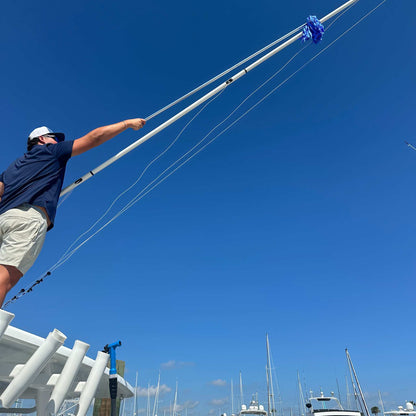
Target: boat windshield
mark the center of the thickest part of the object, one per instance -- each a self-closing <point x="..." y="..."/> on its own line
<point x="325" y="403"/>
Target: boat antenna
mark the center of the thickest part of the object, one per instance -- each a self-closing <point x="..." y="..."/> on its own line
<point x="351" y="366"/>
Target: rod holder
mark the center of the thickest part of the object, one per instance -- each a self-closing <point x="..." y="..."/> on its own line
<point x="5" y="319"/>
<point x="90" y="388"/>
<point x="32" y="368"/>
<point x="68" y="375"/>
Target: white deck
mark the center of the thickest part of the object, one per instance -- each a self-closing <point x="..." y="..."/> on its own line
<point x="17" y="346"/>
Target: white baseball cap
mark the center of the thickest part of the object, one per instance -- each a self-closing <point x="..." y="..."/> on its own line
<point x="42" y="131"/>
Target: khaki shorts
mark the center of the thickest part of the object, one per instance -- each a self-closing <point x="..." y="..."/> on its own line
<point x="22" y="233"/>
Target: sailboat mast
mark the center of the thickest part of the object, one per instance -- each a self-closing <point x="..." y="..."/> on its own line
<point x="241" y="390"/>
<point x="357" y="382"/>
<point x="156" y="402"/>
<point x="135" y="397"/>
<point x="339" y="393"/>
<point x="301" y="398"/>
<point x="381" y="402"/>
<point x="268" y="377"/>
<point x="349" y="406"/>
<point x="175" y="400"/>
<point x="148" y="400"/>
<point x="232" y="398"/>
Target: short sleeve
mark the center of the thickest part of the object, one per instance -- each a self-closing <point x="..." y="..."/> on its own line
<point x="62" y="150"/>
<point x="2" y="177"/>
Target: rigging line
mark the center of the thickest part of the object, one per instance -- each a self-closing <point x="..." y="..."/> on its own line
<point x="410" y="145"/>
<point x="65" y="257"/>
<point x="141" y="175"/>
<point x="134" y="201"/>
<point x="68" y="254"/>
<point x="143" y="191"/>
<point x="250" y="95"/>
<point x="223" y="73"/>
<point x="255" y="105"/>
<point x="146" y="190"/>
<point x="198" y="102"/>
<point x="64" y="199"/>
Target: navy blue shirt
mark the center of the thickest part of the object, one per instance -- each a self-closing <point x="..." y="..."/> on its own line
<point x="36" y="178"/>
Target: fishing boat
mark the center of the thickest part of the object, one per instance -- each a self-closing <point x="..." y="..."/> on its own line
<point x="328" y="406"/>
<point x="43" y="370"/>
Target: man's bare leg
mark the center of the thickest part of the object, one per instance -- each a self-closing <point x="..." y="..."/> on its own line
<point x="9" y="276"/>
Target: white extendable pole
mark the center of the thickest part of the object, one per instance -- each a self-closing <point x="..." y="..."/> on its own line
<point x="197" y="103"/>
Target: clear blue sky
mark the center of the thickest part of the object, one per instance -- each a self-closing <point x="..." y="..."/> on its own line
<point x="299" y="221"/>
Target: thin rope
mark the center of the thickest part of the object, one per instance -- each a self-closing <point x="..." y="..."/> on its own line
<point x="68" y="254"/>
<point x="61" y="201"/>
<point x="145" y="191"/>
<point x="224" y="73"/>
<point x="141" y="175"/>
<point x="284" y="37"/>
<point x="141" y="195"/>
<point x="410" y="145"/>
<point x="132" y="201"/>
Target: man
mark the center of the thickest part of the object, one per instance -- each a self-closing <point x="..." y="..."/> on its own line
<point x="29" y="193"/>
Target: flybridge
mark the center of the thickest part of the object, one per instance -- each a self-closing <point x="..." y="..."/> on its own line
<point x="42" y="369"/>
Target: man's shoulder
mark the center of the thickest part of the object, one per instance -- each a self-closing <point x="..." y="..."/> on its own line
<point x="61" y="149"/>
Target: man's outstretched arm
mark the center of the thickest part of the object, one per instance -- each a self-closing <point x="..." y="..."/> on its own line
<point x="99" y="136"/>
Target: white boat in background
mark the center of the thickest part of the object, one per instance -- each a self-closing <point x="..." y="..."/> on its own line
<point x="253" y="409"/>
<point x="328" y="406"/>
<point x="44" y="370"/>
<point x="403" y="411"/>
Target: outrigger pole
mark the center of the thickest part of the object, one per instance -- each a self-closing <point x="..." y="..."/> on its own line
<point x="197" y="103"/>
